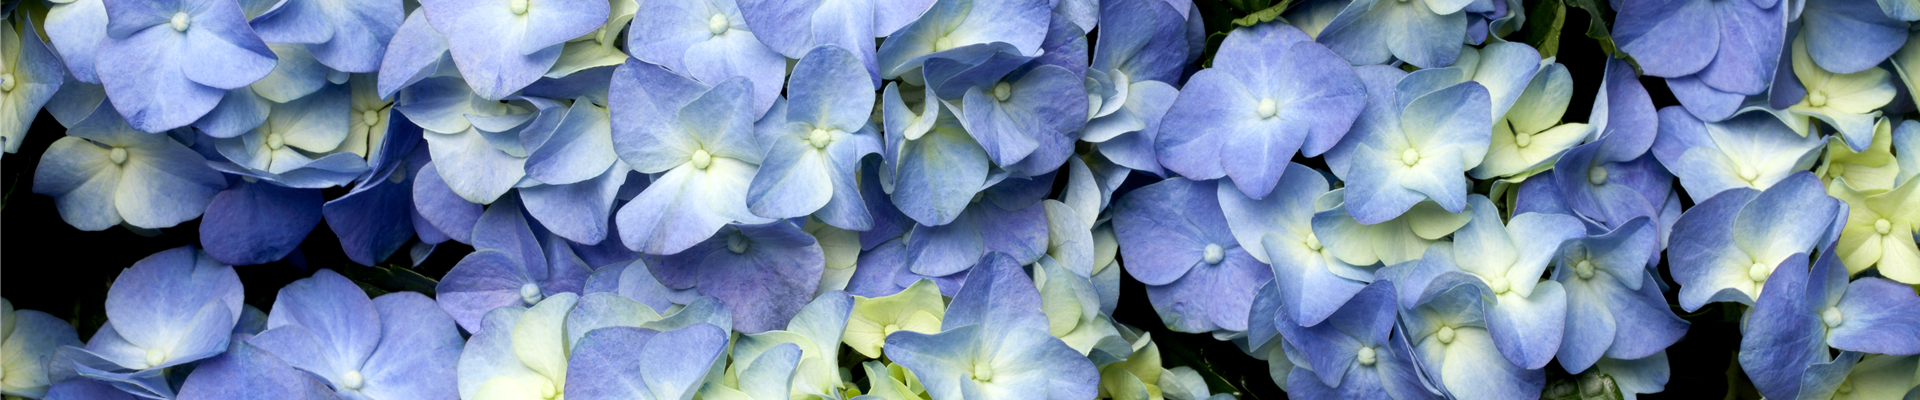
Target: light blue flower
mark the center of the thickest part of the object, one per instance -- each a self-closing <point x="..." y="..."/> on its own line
<point x="1726" y="247"/>
<point x="1176" y="240"/>
<point x="994" y="344"/>
<point x="511" y="266"/>
<point x="1312" y="282"/>
<point x="763" y="273"/>
<point x="348" y="36"/>
<point x="397" y="346"/>
<point x="710" y="41"/>
<point x="700" y="139"/>
<point x="629" y="362"/>
<point x="1456" y="350"/>
<point x="1751" y="150"/>
<point x="1356" y="353"/>
<point x="795" y="27"/>
<point x="297" y="144"/>
<point x="166" y="63"/>
<point x="244" y="371"/>
<point x="1848" y="102"/>
<point x="961" y="29"/>
<point x="29" y="76"/>
<point x="1614" y="305"/>
<point x="1803" y="313"/>
<point x="1424" y="33"/>
<point x="1712" y="54"/>
<point x="1272" y="92"/>
<point x="106" y="173"/>
<point x="1610" y="180"/>
<point x="29" y="339"/>
<point x="933" y="168"/>
<point x="816" y="330"/>
<point x="813" y="152"/>
<point x="1525" y="316"/>
<point x="1846" y="36"/>
<point x="171" y="308"/>
<point x="1424" y="156"/>
<point x="258" y="222"/>
<point x="501" y="47"/>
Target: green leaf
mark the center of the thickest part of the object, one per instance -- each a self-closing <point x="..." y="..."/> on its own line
<point x="385" y="279"/>
<point x="1587" y="386"/>
<point x="1264" y="15"/>
<point x="1543" y="27"/>
<point x="1597" y="24"/>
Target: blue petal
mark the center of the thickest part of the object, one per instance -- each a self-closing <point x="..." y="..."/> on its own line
<point x="247" y="372"/>
<point x="257" y="223"/>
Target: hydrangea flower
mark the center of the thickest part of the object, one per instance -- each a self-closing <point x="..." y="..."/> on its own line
<point x="1438" y="137"/>
<point x="711" y="41"/>
<point x="1451" y="340"/>
<point x="1525" y="315"/>
<point x="27" y="344"/>
<point x="816" y="330"/>
<point x="1614" y="305"/>
<point x="994" y="344"/>
<point x="959" y="29"/>
<point x="1311" y="280"/>
<point x="166" y="63"/>
<point x="1848" y="36"/>
<point x="297" y="145"/>
<point x="630" y="362"/>
<point x="1272" y="91"/>
<point x="501" y="47"/>
<point x="1804" y="312"/>
<point x="1529" y="137"/>
<point x="1025" y="119"/>
<point x="349" y="36"/>
<point x="1135" y="64"/>
<point x="917" y="309"/>
<point x="1072" y="307"/>
<point x="1848" y="102"/>
<point x="1402" y="239"/>
<point x="1426" y="34"/>
<point x="29" y="76"/>
<point x="1863" y="241"/>
<point x="1015" y="227"/>
<point x="1176" y="240"/>
<point x="1711" y="53"/>
<point x="766" y="377"/>
<point x="1610" y="180"/>
<point x="795" y="27"/>
<point x="1356" y="353"/>
<point x="377" y="217"/>
<point x="171" y="308"/>
<point x="248" y="372"/>
<point x="1726" y="247"/>
<point x="700" y="139"/>
<point x="813" y="152"/>
<point x="106" y="173"/>
<point x="932" y="166"/>
<point x="397" y="346"/>
<point x="1871" y="168"/>
<point x="1751" y="150"/>
<point x="764" y="273"/>
<point x="510" y="266"/>
<point x="519" y="352"/>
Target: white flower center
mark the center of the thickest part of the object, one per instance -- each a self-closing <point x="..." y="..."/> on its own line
<point x="1817" y="98"/>
<point x="1002" y="91"/>
<point x="738" y="243"/>
<point x="942" y="43"/>
<point x="717" y="24"/>
<point x="1758" y="272"/>
<point x="117" y="155"/>
<point x="352" y="380"/>
<point x="1500" y="285"/>
<point x="1584" y="269"/>
<point x="1597" y="176"/>
<point x="701" y="159"/>
<point x="820" y="138"/>
<point x="1366" y="356"/>
<point x="274" y="141"/>
<point x="1832" y="317"/>
<point x="155" y="357"/>
<point x="1313" y="242"/>
<point x="519" y="6"/>
<point x="1213" y="254"/>
<point x="1445" y="335"/>
<point x="7" y="83"/>
<point x="982" y="372"/>
<point x="370" y="117"/>
<point x="1268" y="108"/>
<point x="1882" y="226"/>
<point x="1747" y="173"/>
<point x="1522" y="139"/>
<point x="180" y="21"/>
<point x="530" y="293"/>
<point x="1410" y="157"/>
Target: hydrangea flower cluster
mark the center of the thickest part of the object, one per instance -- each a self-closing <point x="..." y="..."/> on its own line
<point x="940" y="199"/>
